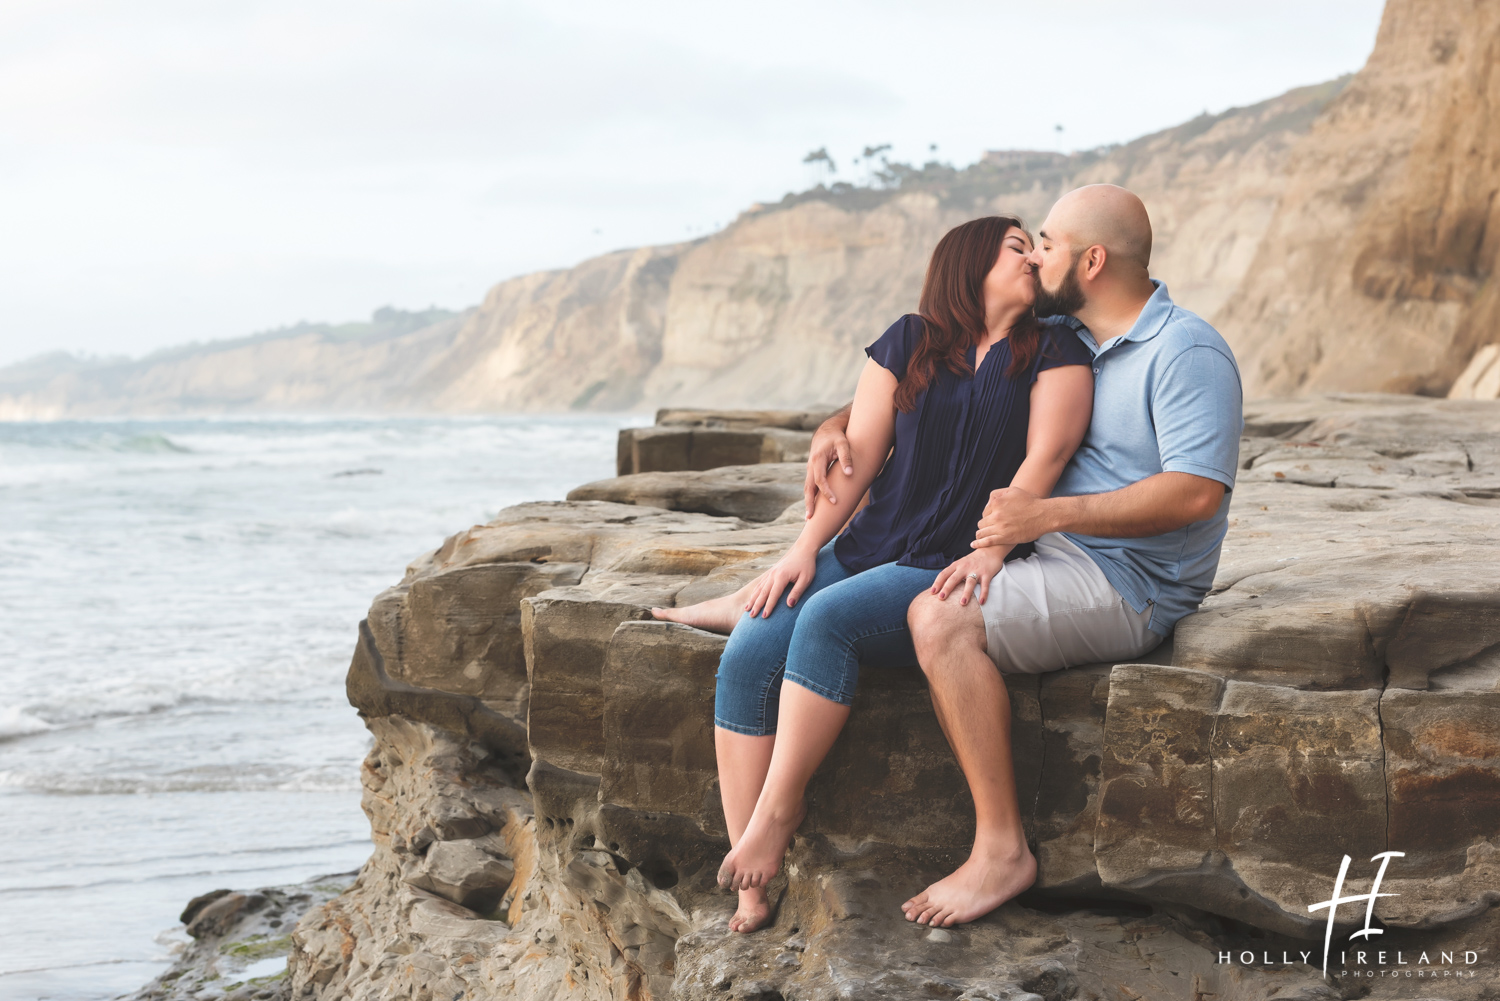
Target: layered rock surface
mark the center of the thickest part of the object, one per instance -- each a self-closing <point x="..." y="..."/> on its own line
<point x="543" y="798"/>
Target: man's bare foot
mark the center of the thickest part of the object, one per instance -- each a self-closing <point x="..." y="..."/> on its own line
<point x="754" y="911"/>
<point x="758" y="856"/>
<point x="977" y="887"/>
<point x="717" y="615"/>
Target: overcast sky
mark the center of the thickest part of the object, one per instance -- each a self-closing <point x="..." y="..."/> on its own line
<point x="175" y="171"/>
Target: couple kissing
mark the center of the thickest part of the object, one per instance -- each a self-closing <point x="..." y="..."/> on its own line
<point x="1046" y="450"/>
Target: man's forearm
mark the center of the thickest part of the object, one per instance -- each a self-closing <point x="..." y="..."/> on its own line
<point x="1154" y="506"/>
<point x="830" y="444"/>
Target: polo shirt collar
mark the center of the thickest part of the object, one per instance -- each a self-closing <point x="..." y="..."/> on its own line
<point x="1154" y="315"/>
<point x="1153" y="318"/>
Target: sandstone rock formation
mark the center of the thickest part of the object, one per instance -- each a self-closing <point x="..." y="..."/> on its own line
<point x="543" y="754"/>
<point x="754" y="493"/>
<point x="708" y="439"/>
<point x="352" y="368"/>
<point x="773" y="311"/>
<point x="1481" y="379"/>
<point x="1342" y="236"/>
<point x="240" y="943"/>
<point x="1374" y="274"/>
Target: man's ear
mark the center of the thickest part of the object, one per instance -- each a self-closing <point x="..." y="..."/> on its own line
<point x="1093" y="261"/>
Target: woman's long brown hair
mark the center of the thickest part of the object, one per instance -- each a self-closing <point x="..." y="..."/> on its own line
<point x="952" y="308"/>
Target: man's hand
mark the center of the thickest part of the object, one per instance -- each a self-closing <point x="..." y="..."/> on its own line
<point x="1011" y="517"/>
<point x="1153" y="506"/>
<point x="829" y="443"/>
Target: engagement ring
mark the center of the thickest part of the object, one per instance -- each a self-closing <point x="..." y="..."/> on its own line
<point x="972" y="576"/>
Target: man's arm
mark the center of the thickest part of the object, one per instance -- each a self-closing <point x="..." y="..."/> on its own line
<point x="1154" y="506"/>
<point x="1196" y="412"/>
<point x="829" y="442"/>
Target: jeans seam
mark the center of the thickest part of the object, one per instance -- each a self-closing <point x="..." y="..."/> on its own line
<point x="738" y="728"/>
<point x="765" y="694"/>
<point x="807" y="683"/>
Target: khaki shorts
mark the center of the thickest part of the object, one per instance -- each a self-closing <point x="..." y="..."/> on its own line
<point x="1056" y="609"/>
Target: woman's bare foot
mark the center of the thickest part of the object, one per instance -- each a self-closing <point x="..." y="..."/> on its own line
<point x="977" y="887"/>
<point x="754" y="911"/>
<point x="717" y="615"/>
<point x="758" y="856"/>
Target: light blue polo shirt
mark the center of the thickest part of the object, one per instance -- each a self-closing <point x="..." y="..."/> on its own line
<point x="1167" y="398"/>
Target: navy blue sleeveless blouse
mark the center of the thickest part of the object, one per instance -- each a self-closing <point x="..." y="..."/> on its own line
<point x="965" y="437"/>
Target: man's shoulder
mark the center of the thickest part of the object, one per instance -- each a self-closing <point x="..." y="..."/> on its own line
<point x="1185" y="330"/>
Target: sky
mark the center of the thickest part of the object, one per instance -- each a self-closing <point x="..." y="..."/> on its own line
<point x="187" y="170"/>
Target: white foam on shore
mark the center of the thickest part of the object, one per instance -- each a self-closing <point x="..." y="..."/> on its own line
<point x="17" y="722"/>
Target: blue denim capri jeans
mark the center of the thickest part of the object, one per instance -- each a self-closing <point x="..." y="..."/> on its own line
<point x="842" y="619"/>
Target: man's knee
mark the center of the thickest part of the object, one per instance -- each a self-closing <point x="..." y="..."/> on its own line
<point x="938" y="626"/>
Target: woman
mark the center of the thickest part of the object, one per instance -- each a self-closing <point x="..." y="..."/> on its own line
<point x="969" y="395"/>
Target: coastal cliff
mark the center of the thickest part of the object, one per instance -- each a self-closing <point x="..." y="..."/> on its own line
<point x="772" y="311"/>
<point x="1341" y="235"/>
<point x="542" y="791"/>
<point x="1375" y="273"/>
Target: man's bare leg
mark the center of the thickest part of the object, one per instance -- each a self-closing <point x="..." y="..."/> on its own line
<point x="717" y="615"/>
<point x="743" y="762"/>
<point x="973" y="707"/>
<point x="807" y="726"/>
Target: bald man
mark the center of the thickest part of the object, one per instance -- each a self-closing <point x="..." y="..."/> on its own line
<point x="1127" y="545"/>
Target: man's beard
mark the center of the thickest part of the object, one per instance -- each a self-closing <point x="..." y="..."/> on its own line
<point x="1066" y="299"/>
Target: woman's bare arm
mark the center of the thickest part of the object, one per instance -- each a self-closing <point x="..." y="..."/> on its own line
<point x="872" y="428"/>
<point x="1062" y="403"/>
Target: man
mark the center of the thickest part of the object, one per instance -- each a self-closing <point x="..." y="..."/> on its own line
<point x="1128" y="544"/>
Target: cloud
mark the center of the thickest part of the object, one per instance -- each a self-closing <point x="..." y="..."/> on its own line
<point x="179" y="170"/>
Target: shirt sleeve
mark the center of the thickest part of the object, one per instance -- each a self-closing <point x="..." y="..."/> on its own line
<point x="893" y="350"/>
<point x="1198" y="409"/>
<point x="1061" y="346"/>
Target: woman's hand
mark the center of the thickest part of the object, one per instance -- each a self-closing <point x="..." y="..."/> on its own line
<point x="978" y="568"/>
<point x="796" y="568"/>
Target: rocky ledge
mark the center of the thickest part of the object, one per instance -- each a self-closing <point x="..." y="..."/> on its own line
<point x="542" y="791"/>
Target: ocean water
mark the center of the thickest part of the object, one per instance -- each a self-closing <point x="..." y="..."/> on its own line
<point x="178" y="604"/>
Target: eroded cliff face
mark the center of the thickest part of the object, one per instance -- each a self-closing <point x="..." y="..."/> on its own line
<point x="1342" y="236"/>
<point x="1374" y="273"/>
<point x="773" y="311"/>
<point x="543" y="798"/>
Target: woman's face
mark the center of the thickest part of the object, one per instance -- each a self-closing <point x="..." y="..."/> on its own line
<point x="1009" y="283"/>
